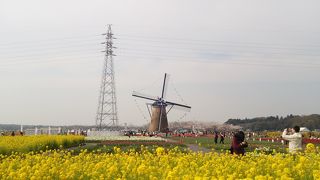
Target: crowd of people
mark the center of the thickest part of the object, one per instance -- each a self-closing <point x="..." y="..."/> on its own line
<point x="222" y="136"/>
<point x="12" y="133"/>
<point x="292" y="135"/>
<point x="238" y="140"/>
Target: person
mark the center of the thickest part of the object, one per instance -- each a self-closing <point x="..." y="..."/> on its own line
<point x="130" y="133"/>
<point x="238" y="144"/>
<point x="222" y="135"/>
<point x="167" y="132"/>
<point x="295" y="139"/>
<point x="216" y="137"/>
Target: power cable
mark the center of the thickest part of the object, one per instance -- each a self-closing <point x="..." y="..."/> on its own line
<point x="48" y="40"/>
<point x="204" y="42"/>
<point x="151" y="53"/>
<point x="140" y="110"/>
<point x="220" y="62"/>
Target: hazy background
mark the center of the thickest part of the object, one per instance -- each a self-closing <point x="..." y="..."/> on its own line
<point x="227" y="59"/>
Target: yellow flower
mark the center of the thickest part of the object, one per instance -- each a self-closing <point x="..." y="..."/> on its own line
<point x="310" y="148"/>
<point x="160" y="151"/>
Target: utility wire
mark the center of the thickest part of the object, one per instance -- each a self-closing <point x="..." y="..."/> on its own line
<point x="61" y="59"/>
<point x="242" y="61"/>
<point x="166" y="41"/>
<point x="155" y="52"/>
<point x="49" y="40"/>
<point x="170" y="59"/>
<point x="196" y="57"/>
<point x="206" y="42"/>
<point x="217" y="52"/>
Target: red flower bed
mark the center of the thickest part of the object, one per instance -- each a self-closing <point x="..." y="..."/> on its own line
<point x="124" y="142"/>
<point x="305" y="140"/>
<point x="270" y="139"/>
<point x="192" y="135"/>
<point x="314" y="141"/>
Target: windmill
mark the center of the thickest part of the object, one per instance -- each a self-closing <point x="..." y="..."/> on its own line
<point x="159" y="121"/>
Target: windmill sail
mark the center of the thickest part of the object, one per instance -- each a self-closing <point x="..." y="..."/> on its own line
<point x="144" y="96"/>
<point x="159" y="121"/>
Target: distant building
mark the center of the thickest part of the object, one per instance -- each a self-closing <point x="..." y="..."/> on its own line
<point x="304" y="129"/>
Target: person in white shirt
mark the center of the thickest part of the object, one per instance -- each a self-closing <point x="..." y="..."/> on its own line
<point x="295" y="139"/>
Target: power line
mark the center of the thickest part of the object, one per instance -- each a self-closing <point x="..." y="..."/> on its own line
<point x="238" y="60"/>
<point x="140" y="110"/>
<point x="197" y="57"/>
<point x="217" y="52"/>
<point x="206" y="42"/>
<point x="49" y="54"/>
<point x="139" y="39"/>
<point x="190" y="47"/>
<point x="60" y="60"/>
<point x="173" y="59"/>
<point x="187" y="51"/>
<point x="49" y="40"/>
<point x="125" y="50"/>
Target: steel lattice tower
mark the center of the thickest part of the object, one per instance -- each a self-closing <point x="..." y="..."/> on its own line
<point x="107" y="108"/>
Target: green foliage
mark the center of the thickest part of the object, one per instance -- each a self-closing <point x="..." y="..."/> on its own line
<point x="103" y="148"/>
<point x="275" y="123"/>
<point x="253" y="145"/>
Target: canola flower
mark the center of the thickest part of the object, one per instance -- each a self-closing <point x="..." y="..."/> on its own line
<point x="158" y="164"/>
<point x="10" y="144"/>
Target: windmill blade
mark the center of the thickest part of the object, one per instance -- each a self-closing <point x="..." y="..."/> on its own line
<point x="165" y="86"/>
<point x="144" y="96"/>
<point x="149" y="104"/>
<point x="179" y="106"/>
<point x="176" y="104"/>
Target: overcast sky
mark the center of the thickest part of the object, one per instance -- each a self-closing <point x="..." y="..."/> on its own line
<point x="226" y="59"/>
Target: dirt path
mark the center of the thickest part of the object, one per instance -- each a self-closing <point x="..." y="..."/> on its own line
<point x="193" y="147"/>
<point x="84" y="146"/>
<point x="196" y="148"/>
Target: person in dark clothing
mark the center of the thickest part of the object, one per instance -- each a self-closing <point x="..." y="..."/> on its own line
<point x="216" y="137"/>
<point x="222" y="135"/>
<point x="238" y="144"/>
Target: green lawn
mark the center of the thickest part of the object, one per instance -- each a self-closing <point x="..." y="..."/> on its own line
<point x="100" y="146"/>
<point x="209" y="143"/>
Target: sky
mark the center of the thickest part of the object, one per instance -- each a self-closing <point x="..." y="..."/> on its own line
<point x="226" y="59"/>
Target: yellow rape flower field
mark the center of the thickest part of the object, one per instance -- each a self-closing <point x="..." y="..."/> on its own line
<point x="36" y="143"/>
<point x="159" y="163"/>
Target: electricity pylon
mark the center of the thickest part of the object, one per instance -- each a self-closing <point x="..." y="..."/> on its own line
<point x="107" y="114"/>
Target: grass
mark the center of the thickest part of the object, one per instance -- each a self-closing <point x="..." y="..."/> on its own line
<point x="209" y="143"/>
<point x="101" y="147"/>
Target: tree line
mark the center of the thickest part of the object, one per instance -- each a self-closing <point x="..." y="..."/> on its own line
<point x="276" y="123"/>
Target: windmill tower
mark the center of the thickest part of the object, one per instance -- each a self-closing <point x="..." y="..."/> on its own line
<point x="159" y="120"/>
<point x="107" y="114"/>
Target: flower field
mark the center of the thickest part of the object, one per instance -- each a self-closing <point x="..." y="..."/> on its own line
<point x="158" y="164"/>
<point x="10" y="144"/>
<point x="123" y="138"/>
<point x="22" y="158"/>
<point x="148" y="143"/>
